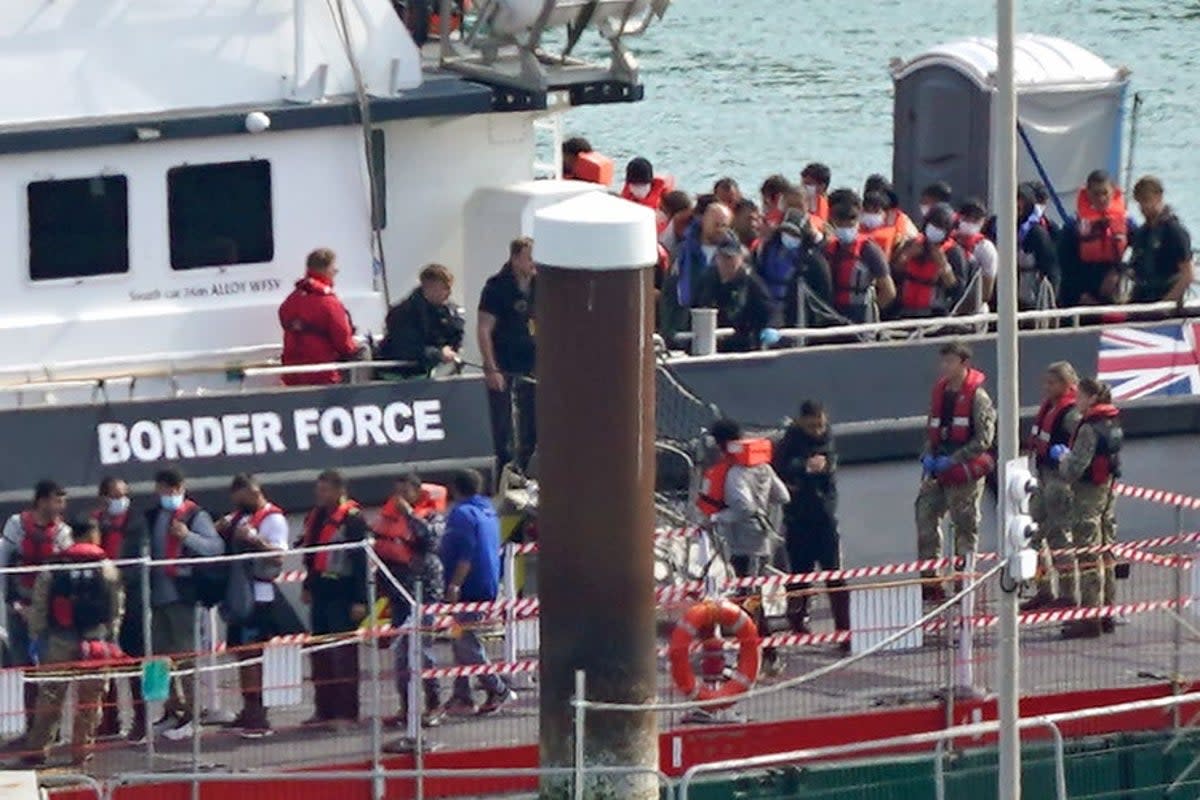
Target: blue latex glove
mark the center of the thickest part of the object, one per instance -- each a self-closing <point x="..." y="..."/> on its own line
<point x="927" y="463"/>
<point x="1057" y="452"/>
<point x="941" y="464"/>
<point x="769" y="337"/>
<point x="35" y="654"/>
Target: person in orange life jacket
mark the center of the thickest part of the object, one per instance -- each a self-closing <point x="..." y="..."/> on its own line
<point x="178" y="528"/>
<point x="931" y="268"/>
<point x="728" y="192"/>
<point x="806" y="460"/>
<point x="894" y="217"/>
<point x="508" y="343"/>
<point x="1101" y="237"/>
<point x="406" y="541"/>
<point x="676" y="207"/>
<point x="1037" y="256"/>
<point x="744" y="503"/>
<point x="814" y="182"/>
<point x="773" y="193"/>
<point x="571" y="148"/>
<point x="956" y="459"/>
<point x="30" y="538"/>
<point x="740" y="297"/>
<point x="981" y="255"/>
<point x="872" y="223"/>
<point x="792" y="254"/>
<point x="123" y="536"/>
<point x="254" y="609"/>
<point x="316" y="326"/>
<point x="426" y="329"/>
<point x="856" y="265"/>
<point x="693" y="260"/>
<point x="77" y="613"/>
<point x="335" y="589"/>
<point x="1092" y="463"/>
<point x="1050" y="505"/>
<point x="747" y="223"/>
<point x="641" y="186"/>
<point x="1162" y="248"/>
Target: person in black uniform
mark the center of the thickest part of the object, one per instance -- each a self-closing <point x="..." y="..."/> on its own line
<point x="806" y="459"/>
<point x="740" y="297"/>
<point x="426" y="328"/>
<point x="506" y="340"/>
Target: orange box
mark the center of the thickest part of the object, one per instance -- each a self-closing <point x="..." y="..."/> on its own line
<point x="750" y="452"/>
<point x="594" y="167"/>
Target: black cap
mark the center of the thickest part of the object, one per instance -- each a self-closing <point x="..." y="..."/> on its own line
<point x="972" y="207"/>
<point x="639" y="170"/>
<point x="941" y="215"/>
<point x="730" y="246"/>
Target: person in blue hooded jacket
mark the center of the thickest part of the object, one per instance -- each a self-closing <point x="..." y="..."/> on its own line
<point x="470" y="552"/>
<point x="791" y="254"/>
<point x="693" y="260"/>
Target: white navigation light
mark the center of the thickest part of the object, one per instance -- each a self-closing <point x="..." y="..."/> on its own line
<point x="257" y="122"/>
<point x="1021" y="529"/>
<point x="1020" y="485"/>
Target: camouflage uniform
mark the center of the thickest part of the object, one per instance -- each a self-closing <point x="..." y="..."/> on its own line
<point x="1051" y="508"/>
<point x="1092" y="520"/>
<point x="962" y="502"/>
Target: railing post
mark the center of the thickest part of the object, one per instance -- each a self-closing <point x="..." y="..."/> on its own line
<point x="147" y="648"/>
<point x="965" y="655"/>
<point x="1177" y="648"/>
<point x="378" y="786"/>
<point x="197" y="632"/>
<point x="580" y="719"/>
<point x="510" y="612"/>
<point x="415" y="658"/>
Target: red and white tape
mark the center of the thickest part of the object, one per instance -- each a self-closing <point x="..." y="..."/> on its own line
<point x="475" y="670"/>
<point x="1085" y="613"/>
<point x="876" y="571"/>
<point x="1157" y="496"/>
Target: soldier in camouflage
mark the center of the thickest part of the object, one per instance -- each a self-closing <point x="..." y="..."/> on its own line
<point x="1050" y="505"/>
<point x="956" y="459"/>
<point x="1092" y="464"/>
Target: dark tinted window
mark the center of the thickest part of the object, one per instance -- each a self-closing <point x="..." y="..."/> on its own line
<point x="220" y="214"/>
<point x="78" y="228"/>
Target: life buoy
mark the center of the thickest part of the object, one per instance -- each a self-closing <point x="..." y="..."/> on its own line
<point x="700" y="623"/>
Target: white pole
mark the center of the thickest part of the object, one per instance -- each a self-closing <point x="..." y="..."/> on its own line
<point x="1004" y="136"/>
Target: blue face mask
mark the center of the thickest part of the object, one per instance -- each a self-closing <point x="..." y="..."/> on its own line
<point x="789" y="241"/>
<point x="118" y="506"/>
<point x="171" y="502"/>
<point x="846" y="235"/>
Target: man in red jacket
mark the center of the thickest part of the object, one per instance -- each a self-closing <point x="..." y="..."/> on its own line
<point x="316" y="326"/>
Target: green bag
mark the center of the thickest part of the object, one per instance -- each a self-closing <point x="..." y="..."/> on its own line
<point x="156" y="680"/>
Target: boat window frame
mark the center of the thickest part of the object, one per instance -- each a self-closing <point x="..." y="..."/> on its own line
<point x="174" y="257"/>
<point x="109" y="177"/>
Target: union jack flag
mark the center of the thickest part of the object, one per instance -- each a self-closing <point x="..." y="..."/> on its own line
<point x="1149" y="362"/>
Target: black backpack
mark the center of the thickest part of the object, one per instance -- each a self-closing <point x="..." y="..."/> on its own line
<point x="80" y="597"/>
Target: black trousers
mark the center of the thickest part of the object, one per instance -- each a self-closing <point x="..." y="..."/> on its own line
<point x="812" y="543"/>
<point x="334" y="670"/>
<point x="521" y="394"/>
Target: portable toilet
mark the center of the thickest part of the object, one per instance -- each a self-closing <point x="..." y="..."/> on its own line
<point x="1069" y="104"/>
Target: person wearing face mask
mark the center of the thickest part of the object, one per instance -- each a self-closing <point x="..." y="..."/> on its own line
<point x="788" y="256"/>
<point x="1041" y="202"/>
<point x="426" y="329"/>
<point x="739" y="296"/>
<point x="978" y="249"/>
<point x="814" y="182"/>
<point x="893" y="216"/>
<point x="872" y="223"/>
<point x="178" y="528"/>
<point x="933" y="194"/>
<point x="122" y="536"/>
<point x="254" y="609"/>
<point x="856" y="265"/>
<point x="773" y="191"/>
<point x="641" y="185"/>
<point x="1037" y="257"/>
<point x="930" y="266"/>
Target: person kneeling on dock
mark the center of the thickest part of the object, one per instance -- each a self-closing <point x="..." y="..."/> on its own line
<point x="79" y="611"/>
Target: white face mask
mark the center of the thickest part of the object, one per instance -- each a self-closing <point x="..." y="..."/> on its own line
<point x="639" y="190"/>
<point x="924" y="207"/>
<point x="970" y="228"/>
<point x="1040" y="208"/>
<point x="810" y="191"/>
<point x="934" y="234"/>
<point x="781" y="203"/>
<point x="846" y="235"/>
<point x="789" y="241"/>
<point x="118" y="506"/>
<point x="874" y="220"/>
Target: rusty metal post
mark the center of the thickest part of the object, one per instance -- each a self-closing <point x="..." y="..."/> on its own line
<point x="595" y="416"/>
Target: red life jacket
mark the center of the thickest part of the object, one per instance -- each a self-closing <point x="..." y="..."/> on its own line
<point x="919" y="288"/>
<point x="112" y="532"/>
<point x="851" y="279"/>
<point x="393" y="536"/>
<point x="1103" y="234"/>
<point x="174" y="546"/>
<point x="256" y="519"/>
<point x="968" y="242"/>
<point x="1106" y="463"/>
<point x="958" y="433"/>
<point x="333" y="522"/>
<point x="659" y="185"/>
<point x="79" y="598"/>
<point x="1048" y="427"/>
<point x="37" y="546"/>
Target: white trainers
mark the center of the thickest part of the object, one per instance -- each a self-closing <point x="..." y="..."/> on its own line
<point x="183" y="730"/>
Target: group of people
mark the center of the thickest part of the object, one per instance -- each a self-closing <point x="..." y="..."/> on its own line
<point x="1074" y="445"/>
<point x="804" y="252"/>
<point x="71" y="606"/>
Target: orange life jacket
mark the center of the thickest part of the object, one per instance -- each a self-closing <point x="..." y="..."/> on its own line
<point x="851" y="278"/>
<point x="921" y="278"/>
<point x="884" y="237"/>
<point x="37" y="546"/>
<point x="959" y="431"/>
<point x="822" y="210"/>
<point x="659" y="185"/>
<point x="1106" y="463"/>
<point x="744" y="453"/>
<point x="434" y="499"/>
<point x="1103" y="234"/>
<point x="333" y="522"/>
<point x="1048" y="429"/>
<point x="393" y="535"/>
